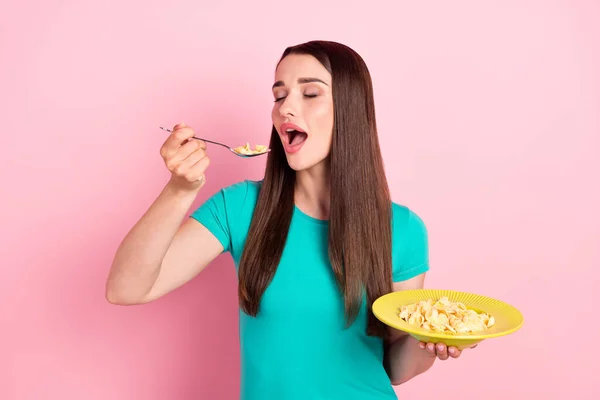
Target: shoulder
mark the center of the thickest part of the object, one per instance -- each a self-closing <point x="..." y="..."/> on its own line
<point x="231" y="200"/>
<point x="410" y="249"/>
<point x="406" y="221"/>
<point x="240" y="197"/>
<point x="242" y="191"/>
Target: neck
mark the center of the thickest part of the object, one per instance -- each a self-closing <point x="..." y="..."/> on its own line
<point x="312" y="192"/>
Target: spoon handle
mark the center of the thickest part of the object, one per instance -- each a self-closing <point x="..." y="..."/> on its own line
<point x="204" y="140"/>
<point x="210" y="141"/>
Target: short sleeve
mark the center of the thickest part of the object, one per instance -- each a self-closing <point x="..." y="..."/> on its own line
<point x="227" y="213"/>
<point x="213" y="215"/>
<point x="413" y="242"/>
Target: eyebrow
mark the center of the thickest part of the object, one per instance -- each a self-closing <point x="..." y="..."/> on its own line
<point x="300" y="80"/>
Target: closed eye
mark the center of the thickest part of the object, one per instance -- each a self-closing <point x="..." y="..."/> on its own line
<point x="310" y="96"/>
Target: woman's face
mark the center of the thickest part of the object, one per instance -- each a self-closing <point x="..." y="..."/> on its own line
<point x="303" y="110"/>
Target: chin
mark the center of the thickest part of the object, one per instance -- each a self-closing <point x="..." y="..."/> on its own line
<point x="299" y="163"/>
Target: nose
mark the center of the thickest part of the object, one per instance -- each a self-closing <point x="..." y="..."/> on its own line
<point x="288" y="108"/>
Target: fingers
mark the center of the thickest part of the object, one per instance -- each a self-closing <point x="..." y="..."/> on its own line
<point x="191" y="160"/>
<point x="185" y="151"/>
<point x="440" y="350"/>
<point x="194" y="167"/>
<point x="185" y="156"/>
<point x="190" y="168"/>
<point x="430" y="347"/>
<point x="454" y="352"/>
<point x="179" y="137"/>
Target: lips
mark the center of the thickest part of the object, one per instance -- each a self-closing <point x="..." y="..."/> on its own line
<point x="293" y="137"/>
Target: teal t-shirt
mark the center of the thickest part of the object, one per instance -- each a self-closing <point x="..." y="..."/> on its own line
<point x="297" y="347"/>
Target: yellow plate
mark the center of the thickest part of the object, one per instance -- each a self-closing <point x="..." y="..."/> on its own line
<point x="507" y="318"/>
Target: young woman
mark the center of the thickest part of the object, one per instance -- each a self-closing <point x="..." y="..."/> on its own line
<point x="314" y="243"/>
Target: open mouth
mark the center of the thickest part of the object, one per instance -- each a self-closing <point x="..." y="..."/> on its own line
<point x="293" y="135"/>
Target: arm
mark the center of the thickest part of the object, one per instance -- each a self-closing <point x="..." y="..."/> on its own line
<point x="404" y="359"/>
<point x="160" y="254"/>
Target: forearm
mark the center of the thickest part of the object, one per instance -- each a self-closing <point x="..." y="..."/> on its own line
<point x="404" y="359"/>
<point x="137" y="262"/>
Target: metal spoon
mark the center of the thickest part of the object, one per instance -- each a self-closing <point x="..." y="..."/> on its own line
<point x="224" y="145"/>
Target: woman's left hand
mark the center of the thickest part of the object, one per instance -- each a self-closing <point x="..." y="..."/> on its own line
<point x="441" y="351"/>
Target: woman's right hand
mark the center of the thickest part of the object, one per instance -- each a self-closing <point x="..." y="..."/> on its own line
<point x="185" y="158"/>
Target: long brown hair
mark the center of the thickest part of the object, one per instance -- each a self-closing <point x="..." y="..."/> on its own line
<point x="359" y="238"/>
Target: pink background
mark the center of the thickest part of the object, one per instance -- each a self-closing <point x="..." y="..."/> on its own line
<point x="489" y="120"/>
